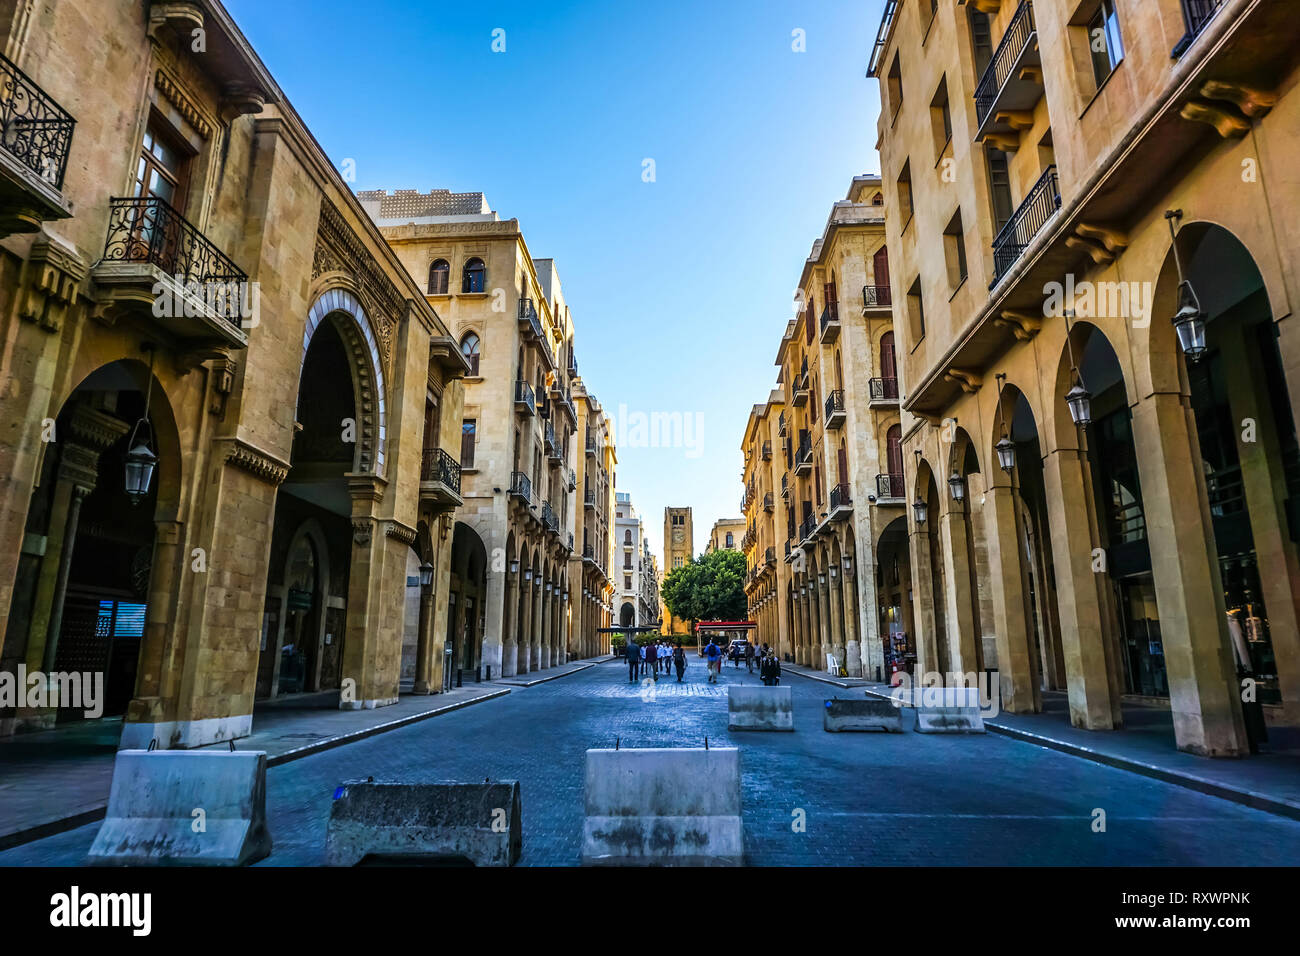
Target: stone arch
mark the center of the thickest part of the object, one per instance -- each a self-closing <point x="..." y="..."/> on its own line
<point x="355" y="328"/>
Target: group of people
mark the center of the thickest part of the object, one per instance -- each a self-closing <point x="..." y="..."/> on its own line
<point x="769" y="665"/>
<point x="653" y="657"/>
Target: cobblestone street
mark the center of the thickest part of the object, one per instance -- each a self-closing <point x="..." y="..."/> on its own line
<point x="869" y="799"/>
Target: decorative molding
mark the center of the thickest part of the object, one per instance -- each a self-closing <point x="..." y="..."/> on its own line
<point x="1023" y="326"/>
<point x="1115" y="240"/>
<point x="256" y="462"/>
<point x="399" y="532"/>
<point x="96" y="429"/>
<point x="361" y="531"/>
<point x="1254" y="103"/>
<point x="969" y="380"/>
<point x="52" y="276"/>
<point x="174" y="95"/>
<point x="1229" y="124"/>
<point x="1095" y="250"/>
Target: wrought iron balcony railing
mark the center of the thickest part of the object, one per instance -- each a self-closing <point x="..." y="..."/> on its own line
<point x="524" y="398"/>
<point x="767" y="451"/>
<point x="780" y="424"/>
<point x="804" y="455"/>
<point x="768" y="502"/>
<point x="549" y="520"/>
<point x="785" y="487"/>
<point x="588" y="553"/>
<point x="875" y="297"/>
<point x="834" y="405"/>
<point x="807" y="527"/>
<point x="769" y="556"/>
<point x="883" y="389"/>
<point x="1196" y="14"/>
<point x="150" y="231"/>
<point x="591" y="444"/>
<point x="890" y="486"/>
<point x="438" y="465"/>
<point x="839" y="497"/>
<point x="528" y="315"/>
<point x="1026" y="222"/>
<point x="996" y="74"/>
<point x="521" y="486"/>
<point x="34" y="129"/>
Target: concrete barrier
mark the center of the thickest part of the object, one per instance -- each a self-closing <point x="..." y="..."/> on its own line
<point x="452" y="823"/>
<point x="662" y="807"/>
<point x="949" y="720"/>
<point x="870" y="714"/>
<point x="186" y="807"/>
<point x="759" y="708"/>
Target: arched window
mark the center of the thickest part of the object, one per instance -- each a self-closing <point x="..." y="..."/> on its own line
<point x="469" y="347"/>
<point x="627" y="535"/>
<point x="475" y="276"/>
<point x="877" y="200"/>
<point x="439" y="273"/>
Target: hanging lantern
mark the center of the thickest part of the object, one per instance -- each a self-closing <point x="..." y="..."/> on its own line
<point x="140" y="463"/>
<point x="1189" y="322"/>
<point x="528" y="576"/>
<point x="1079" y="401"/>
<point x="1006" y="450"/>
<point x="848" y="564"/>
<point x="514" y="565"/>
<point x="957" y="486"/>
<point x="426" y="574"/>
<point x="919" y="509"/>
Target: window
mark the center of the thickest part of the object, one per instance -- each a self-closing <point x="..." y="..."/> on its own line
<point x="439" y="274"/>
<point x="981" y="39"/>
<point x="916" y="311"/>
<point x="877" y="200"/>
<point x="627" y="533"/>
<point x="905" y="193"/>
<point x="731" y="540"/>
<point x="894" y="85"/>
<point x="940" y="120"/>
<point x="160" y="172"/>
<point x="1104" y="41"/>
<point x="627" y="582"/>
<point x="468" y="431"/>
<point x="469" y="347"/>
<point x="999" y="188"/>
<point x="475" y="277"/>
<point x="954" y="251"/>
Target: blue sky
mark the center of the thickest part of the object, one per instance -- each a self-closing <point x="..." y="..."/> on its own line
<point x="680" y="288"/>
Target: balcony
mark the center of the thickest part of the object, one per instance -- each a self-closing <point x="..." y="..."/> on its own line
<point x="1196" y="14"/>
<point x="440" y="478"/>
<point x="875" y="297"/>
<point x="550" y="445"/>
<point x="525" y="401"/>
<point x="890" y="489"/>
<point x="800" y="396"/>
<point x="769" y="557"/>
<point x="588" y="554"/>
<point x="830" y="323"/>
<point x="785" y="488"/>
<point x="573" y="480"/>
<point x="549" y="520"/>
<point x="35" y="139"/>
<point x="841" y="503"/>
<point x="767" y="451"/>
<point x="803" y="457"/>
<point x="769" y="503"/>
<point x="788" y="546"/>
<point x="1013" y="81"/>
<point x="780" y="425"/>
<point x="157" y="266"/>
<point x="529" y="322"/>
<point x="807" y="528"/>
<point x="835" y="413"/>
<point x="589" y="499"/>
<point x="1026" y="222"/>
<point x="882" y="391"/>
<point x="591" y="446"/>
<point x="521" y="488"/>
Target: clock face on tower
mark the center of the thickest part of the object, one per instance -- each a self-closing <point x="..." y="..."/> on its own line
<point x="678" y="535"/>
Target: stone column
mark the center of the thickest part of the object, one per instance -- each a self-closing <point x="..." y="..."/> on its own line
<point x="539" y="623"/>
<point x="1203" y="693"/>
<point x="959" y="619"/>
<point x="424" y="643"/>
<point x="1008" y="581"/>
<point x="525" y="622"/>
<point x="1083" y="636"/>
<point x="509" y="624"/>
<point x="835" y="598"/>
<point x="853" y="647"/>
<point x="925" y="639"/>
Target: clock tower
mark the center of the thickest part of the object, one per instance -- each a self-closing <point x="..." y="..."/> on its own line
<point x="679" y="548"/>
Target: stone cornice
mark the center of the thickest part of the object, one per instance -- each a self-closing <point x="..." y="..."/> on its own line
<point x="255" y="461"/>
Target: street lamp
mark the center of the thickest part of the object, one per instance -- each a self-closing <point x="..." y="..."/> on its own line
<point x="514" y="565"/>
<point x="140" y="460"/>
<point x="919" y="509"/>
<point x="957" y="486"/>
<point x="1078" y="398"/>
<point x="426" y="574"/>
<point x="848" y="564"/>
<point x="1189" y="320"/>
<point x="1005" y="448"/>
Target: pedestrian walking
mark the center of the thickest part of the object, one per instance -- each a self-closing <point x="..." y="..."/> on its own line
<point x="652" y="660"/>
<point x="714" y="657"/>
<point x="749" y="656"/>
<point x="770" y="670"/>
<point x="679" y="661"/>
<point x="633" y="654"/>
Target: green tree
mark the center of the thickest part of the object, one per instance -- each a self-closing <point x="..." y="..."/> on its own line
<point x="708" y="588"/>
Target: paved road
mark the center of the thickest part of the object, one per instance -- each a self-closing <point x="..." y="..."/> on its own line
<point x="884" y="799"/>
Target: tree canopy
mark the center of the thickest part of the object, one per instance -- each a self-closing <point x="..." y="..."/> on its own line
<point x="708" y="588"/>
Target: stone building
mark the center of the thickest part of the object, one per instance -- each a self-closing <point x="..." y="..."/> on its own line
<point x="679" y="549"/>
<point x="726" y="535"/>
<point x="1092" y="279"/>
<point x="536" y="457"/>
<point x="228" y="415"/>
<point x="832" y="441"/>
<point x="636" y="595"/>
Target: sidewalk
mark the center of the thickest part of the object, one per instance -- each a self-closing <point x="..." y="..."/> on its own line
<point x="56" y="780"/>
<point x="1267" y="781"/>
